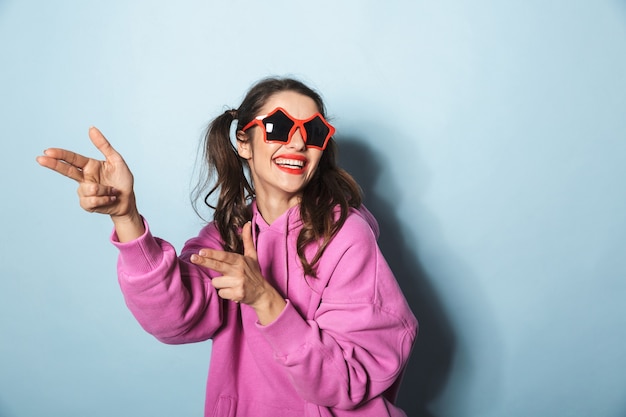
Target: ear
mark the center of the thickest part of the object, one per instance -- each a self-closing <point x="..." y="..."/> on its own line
<point x="243" y="145"/>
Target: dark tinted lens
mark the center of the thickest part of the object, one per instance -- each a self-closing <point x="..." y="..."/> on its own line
<point x="316" y="132"/>
<point x="277" y="127"/>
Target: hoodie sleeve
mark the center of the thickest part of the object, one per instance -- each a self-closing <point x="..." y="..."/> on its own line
<point x="170" y="297"/>
<point x="361" y="337"/>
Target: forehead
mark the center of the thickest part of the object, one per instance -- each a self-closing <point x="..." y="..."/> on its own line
<point x="296" y="104"/>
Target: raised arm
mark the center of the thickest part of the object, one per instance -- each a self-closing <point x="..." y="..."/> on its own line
<point x="103" y="186"/>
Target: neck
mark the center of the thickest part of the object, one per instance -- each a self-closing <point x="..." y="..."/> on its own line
<point x="273" y="207"/>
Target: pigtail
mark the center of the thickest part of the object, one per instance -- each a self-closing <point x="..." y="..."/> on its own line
<point x="227" y="169"/>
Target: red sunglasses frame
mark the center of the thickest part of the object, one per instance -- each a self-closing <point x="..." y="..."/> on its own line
<point x="297" y="124"/>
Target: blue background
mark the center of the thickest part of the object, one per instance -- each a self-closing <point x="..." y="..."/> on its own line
<point x="489" y="137"/>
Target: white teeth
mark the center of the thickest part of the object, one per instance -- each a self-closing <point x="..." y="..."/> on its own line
<point x="290" y="162"/>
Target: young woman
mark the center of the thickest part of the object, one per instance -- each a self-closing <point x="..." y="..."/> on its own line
<point x="305" y="316"/>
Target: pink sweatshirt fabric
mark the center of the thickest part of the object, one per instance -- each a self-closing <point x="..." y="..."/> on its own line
<point x="339" y="347"/>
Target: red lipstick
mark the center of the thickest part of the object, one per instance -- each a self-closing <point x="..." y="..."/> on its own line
<point x="291" y="163"/>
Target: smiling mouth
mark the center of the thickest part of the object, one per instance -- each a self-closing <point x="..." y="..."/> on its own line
<point x="289" y="163"/>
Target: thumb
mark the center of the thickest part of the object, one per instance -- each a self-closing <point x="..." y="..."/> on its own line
<point x="248" y="243"/>
<point x="103" y="145"/>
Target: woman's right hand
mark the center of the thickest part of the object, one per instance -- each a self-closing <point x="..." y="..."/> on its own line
<point x="103" y="186"/>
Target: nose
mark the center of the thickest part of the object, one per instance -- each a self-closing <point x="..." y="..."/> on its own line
<point x="297" y="141"/>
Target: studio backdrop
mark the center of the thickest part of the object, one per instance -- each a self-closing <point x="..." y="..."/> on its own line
<point x="489" y="138"/>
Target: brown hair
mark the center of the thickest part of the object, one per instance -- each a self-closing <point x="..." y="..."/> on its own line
<point x="325" y="201"/>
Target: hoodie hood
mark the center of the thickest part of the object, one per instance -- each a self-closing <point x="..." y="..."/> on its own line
<point x="281" y="236"/>
<point x="291" y="220"/>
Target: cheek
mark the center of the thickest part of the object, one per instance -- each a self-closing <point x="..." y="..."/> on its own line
<point x="314" y="160"/>
<point x="262" y="153"/>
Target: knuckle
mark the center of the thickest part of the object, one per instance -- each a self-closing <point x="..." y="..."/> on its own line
<point x="85" y="189"/>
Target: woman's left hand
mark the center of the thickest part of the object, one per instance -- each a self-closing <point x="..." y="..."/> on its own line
<point x="241" y="279"/>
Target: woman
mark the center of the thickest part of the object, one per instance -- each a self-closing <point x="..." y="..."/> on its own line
<point x="305" y="315"/>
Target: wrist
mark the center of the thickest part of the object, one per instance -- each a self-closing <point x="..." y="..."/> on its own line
<point x="130" y="218"/>
<point x="129" y="226"/>
<point x="269" y="306"/>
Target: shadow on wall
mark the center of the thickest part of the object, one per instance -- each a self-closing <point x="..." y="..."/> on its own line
<point x="429" y="367"/>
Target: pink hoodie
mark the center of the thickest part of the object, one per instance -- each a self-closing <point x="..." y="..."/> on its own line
<point x="338" y="348"/>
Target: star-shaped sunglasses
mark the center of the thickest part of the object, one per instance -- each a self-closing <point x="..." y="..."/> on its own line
<point x="278" y="126"/>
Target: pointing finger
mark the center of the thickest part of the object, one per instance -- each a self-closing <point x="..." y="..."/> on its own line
<point x="218" y="261"/>
<point x="64" y="162"/>
<point x="66" y="156"/>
